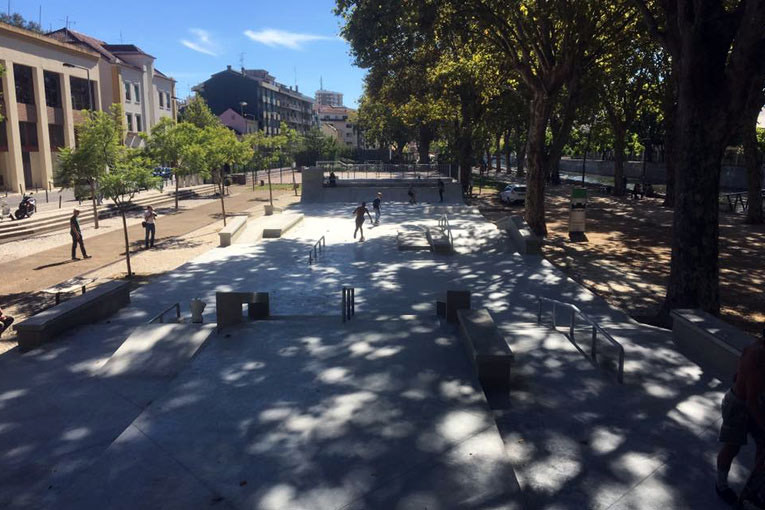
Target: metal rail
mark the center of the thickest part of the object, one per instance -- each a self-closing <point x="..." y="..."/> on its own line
<point x="161" y="316"/>
<point x="443" y="223"/>
<point x="595" y="330"/>
<point x="348" y="303"/>
<point x="316" y="250"/>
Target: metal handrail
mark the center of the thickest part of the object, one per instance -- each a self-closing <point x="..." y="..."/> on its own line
<point x="316" y="250"/>
<point x="161" y="316"/>
<point x="443" y="223"/>
<point x="348" y="303"/>
<point x="595" y="330"/>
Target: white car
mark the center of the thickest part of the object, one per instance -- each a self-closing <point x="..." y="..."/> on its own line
<point x="513" y="193"/>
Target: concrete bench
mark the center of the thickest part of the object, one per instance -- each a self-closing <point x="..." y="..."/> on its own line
<point x="87" y="308"/>
<point x="491" y="356"/>
<point x="228" y="307"/>
<point x="524" y="240"/>
<point x="236" y="226"/>
<point x="276" y="226"/>
<point x="709" y="342"/>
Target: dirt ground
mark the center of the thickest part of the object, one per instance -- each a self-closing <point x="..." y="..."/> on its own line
<point x="625" y="258"/>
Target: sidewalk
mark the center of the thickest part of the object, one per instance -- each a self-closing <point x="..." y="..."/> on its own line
<point x="32" y="274"/>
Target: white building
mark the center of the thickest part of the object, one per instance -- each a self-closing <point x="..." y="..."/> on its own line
<point x="329" y="98"/>
<point x="338" y="121"/>
<point x="127" y="76"/>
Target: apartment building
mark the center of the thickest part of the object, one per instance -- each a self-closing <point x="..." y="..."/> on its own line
<point x="259" y="98"/>
<point x="339" y="123"/>
<point x="45" y="85"/>
<point x="329" y="98"/>
<point x="128" y="76"/>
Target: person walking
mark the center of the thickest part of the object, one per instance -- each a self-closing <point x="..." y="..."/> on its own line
<point x="76" y="233"/>
<point x="376" y="206"/>
<point x="743" y="414"/>
<point x="5" y="321"/>
<point x="149" y="224"/>
<point x="359" y="214"/>
<point x="441" y="190"/>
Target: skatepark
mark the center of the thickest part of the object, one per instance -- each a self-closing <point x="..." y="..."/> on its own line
<point x="383" y="409"/>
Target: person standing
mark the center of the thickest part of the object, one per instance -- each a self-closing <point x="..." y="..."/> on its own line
<point x="76" y="233"/>
<point x="412" y="196"/>
<point x="149" y="225"/>
<point x="743" y="414"/>
<point x="441" y="190"/>
<point x="359" y="214"/>
<point x="376" y="206"/>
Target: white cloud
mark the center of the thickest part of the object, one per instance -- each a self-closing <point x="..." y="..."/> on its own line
<point x="292" y="40"/>
<point x="202" y="43"/>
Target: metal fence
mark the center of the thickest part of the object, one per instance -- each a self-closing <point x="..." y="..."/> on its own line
<point x="377" y="170"/>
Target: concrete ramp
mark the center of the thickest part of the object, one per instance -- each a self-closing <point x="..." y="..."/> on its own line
<point x="157" y="350"/>
<point x="277" y="225"/>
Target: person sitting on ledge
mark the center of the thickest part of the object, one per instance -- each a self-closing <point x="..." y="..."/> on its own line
<point x="332" y="179"/>
<point x="5" y="321"/>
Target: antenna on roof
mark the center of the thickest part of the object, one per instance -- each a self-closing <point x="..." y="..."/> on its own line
<point x="321" y="83"/>
<point x="241" y="60"/>
<point x="9" y="8"/>
<point x="294" y="69"/>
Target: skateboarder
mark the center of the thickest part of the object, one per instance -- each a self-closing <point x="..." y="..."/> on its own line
<point x="376" y="207"/>
<point x="441" y="190"/>
<point x="76" y="233"/>
<point x="743" y="413"/>
<point x="359" y="214"/>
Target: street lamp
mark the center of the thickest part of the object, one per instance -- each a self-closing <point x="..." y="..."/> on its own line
<point x="87" y="71"/>
<point x="587" y="129"/>
<point x="242" y="104"/>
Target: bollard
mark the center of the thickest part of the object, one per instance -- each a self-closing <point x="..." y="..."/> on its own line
<point x="59" y="201"/>
<point x="46" y="196"/>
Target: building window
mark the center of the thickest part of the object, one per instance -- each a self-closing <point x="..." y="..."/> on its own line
<point x="161" y="99"/>
<point x="168" y="101"/>
<point x="28" y="132"/>
<point x="52" y="89"/>
<point x="138" y="125"/>
<point x="80" y="96"/>
<point x="24" y="86"/>
<point x="127" y="92"/>
<point x="56" y="135"/>
<point x="129" y="120"/>
<point x="3" y="137"/>
<point x="137" y="93"/>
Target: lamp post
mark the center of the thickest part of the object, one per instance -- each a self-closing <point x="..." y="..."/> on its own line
<point x="588" y="130"/>
<point x="242" y="104"/>
<point x="87" y="73"/>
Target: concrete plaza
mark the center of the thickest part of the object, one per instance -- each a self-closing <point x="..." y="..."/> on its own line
<point x="304" y="411"/>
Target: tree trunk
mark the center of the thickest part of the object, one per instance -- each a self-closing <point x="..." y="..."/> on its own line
<point x="535" y="180"/>
<point x="95" y="205"/>
<point x="221" y="185"/>
<point x="753" y="158"/>
<point x="498" y="154"/>
<point x="670" y="111"/>
<point x="127" y="242"/>
<point x="270" y="192"/>
<point x="465" y="148"/>
<point x="508" y="150"/>
<point x="619" y="143"/>
<point x="520" y="155"/>
<point x="488" y="159"/>
<point x="423" y="144"/>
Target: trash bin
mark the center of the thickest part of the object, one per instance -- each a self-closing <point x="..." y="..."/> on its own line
<point x="578" y="211"/>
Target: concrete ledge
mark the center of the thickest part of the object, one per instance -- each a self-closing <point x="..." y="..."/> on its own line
<point x="709" y="342"/>
<point x="234" y="229"/>
<point x="228" y="307"/>
<point x="491" y="356"/>
<point x="439" y="241"/>
<point x="277" y="225"/>
<point x="87" y="308"/>
<point x="524" y="240"/>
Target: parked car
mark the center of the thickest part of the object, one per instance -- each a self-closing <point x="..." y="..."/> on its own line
<point x="513" y="193"/>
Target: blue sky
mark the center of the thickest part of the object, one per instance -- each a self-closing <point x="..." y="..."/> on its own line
<point x="192" y="39"/>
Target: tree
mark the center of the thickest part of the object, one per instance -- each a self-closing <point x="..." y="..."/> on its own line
<point x="754" y="147"/>
<point x="221" y="148"/>
<point x="97" y="150"/>
<point x="198" y="113"/>
<point x="173" y="145"/>
<point x="129" y="173"/>
<point x="17" y="20"/>
<point x="717" y="49"/>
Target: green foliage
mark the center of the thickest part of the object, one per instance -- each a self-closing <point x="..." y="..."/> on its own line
<point x="198" y="113"/>
<point x="98" y="148"/>
<point x="131" y="172"/>
<point x="17" y="20"/>
<point x="221" y="147"/>
<point x="317" y="147"/>
<point x="179" y="146"/>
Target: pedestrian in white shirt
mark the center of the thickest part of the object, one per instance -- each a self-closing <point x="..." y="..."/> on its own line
<point x="149" y="218"/>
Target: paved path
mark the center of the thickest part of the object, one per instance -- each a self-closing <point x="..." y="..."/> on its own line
<point x="47" y="268"/>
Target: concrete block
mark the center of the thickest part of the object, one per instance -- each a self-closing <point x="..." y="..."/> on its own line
<point x="236" y="226"/>
<point x="441" y="308"/>
<point x="412" y="241"/>
<point x="525" y="241"/>
<point x="491" y="356"/>
<point x="709" y="342"/>
<point x="276" y="226"/>
<point x="456" y="300"/>
<point x="228" y="307"/>
<point x="87" y="308"/>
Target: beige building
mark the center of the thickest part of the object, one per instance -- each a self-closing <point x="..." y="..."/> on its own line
<point x="128" y="77"/>
<point x="44" y="88"/>
<point x="338" y="122"/>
